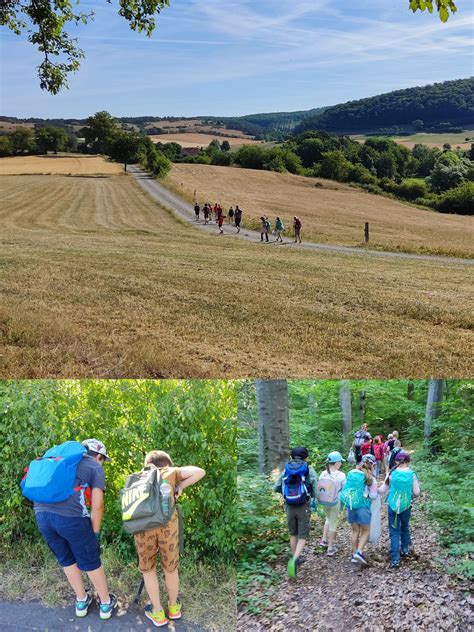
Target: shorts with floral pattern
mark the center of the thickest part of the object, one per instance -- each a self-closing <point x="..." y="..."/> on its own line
<point x="162" y="540"/>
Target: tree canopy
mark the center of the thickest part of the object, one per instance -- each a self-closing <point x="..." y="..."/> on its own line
<point x="47" y="24"/>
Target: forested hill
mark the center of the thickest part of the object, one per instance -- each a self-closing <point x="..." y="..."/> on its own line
<point x="433" y="107"/>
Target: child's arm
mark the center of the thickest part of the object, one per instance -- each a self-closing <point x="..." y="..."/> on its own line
<point x="373" y="492"/>
<point x="189" y="475"/>
<point x="416" y="486"/>
<point x="383" y="489"/>
<point x="97" y="508"/>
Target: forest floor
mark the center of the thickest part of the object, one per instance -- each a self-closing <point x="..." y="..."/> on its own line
<point x="335" y="594"/>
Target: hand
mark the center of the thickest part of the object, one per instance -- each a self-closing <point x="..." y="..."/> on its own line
<point x="178" y="491"/>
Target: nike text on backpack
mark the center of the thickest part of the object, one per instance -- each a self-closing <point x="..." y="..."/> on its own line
<point x="144" y="502"/>
<point x="352" y="495"/>
<point x="296" y="488"/>
<point x="401" y="490"/>
<point x="328" y="490"/>
<point x="50" y="478"/>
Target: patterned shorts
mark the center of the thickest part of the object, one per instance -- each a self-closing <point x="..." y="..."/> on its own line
<point x="164" y="540"/>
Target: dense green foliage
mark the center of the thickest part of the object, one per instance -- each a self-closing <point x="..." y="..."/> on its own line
<point x="447" y="475"/>
<point x="438" y="106"/>
<point x="192" y="420"/>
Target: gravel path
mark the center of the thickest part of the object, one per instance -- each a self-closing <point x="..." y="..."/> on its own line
<point x="185" y="212"/>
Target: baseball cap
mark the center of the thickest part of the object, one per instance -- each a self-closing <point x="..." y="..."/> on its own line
<point x="96" y="446"/>
<point x="368" y="457"/>
<point x="334" y="457"/>
<point x="301" y="453"/>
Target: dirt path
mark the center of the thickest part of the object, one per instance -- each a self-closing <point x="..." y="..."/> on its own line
<point x="17" y="616"/>
<point x="334" y="594"/>
<point x="184" y="211"/>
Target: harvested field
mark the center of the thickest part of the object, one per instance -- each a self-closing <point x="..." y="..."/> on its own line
<point x="6" y="127"/>
<point x="98" y="280"/>
<point x="202" y="140"/>
<point x="431" y="140"/>
<point x="331" y="212"/>
<point x="72" y="164"/>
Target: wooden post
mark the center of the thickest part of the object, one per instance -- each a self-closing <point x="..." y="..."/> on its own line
<point x="366" y="232"/>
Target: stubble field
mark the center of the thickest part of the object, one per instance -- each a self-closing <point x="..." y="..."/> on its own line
<point x="97" y="280"/>
<point x="332" y="213"/>
<point x="72" y="164"/>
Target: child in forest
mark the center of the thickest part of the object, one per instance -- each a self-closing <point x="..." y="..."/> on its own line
<point x="378" y="448"/>
<point x="402" y="485"/>
<point x="165" y="541"/>
<point x="358" y="492"/>
<point x="366" y="447"/>
<point x="297" y="483"/>
<point x="330" y="483"/>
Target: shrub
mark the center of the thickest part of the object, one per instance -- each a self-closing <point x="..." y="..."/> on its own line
<point x="412" y="189"/>
<point x="459" y="200"/>
<point x="359" y="173"/>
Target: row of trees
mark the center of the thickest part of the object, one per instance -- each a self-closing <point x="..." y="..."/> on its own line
<point x="41" y="140"/>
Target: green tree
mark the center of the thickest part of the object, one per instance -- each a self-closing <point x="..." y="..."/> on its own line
<point x="458" y="200"/>
<point x="21" y="140"/>
<point x="448" y="172"/>
<point x="126" y="148"/>
<point x="335" y="166"/>
<point x="50" y="139"/>
<point x="225" y="145"/>
<point x="418" y="125"/>
<point x="100" y="132"/>
<point x="47" y="24"/>
<point x="5" y="147"/>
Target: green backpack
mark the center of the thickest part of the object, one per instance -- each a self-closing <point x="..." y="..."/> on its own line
<point x="144" y="502"/>
<point x="401" y="490"/>
<point x="352" y="495"/>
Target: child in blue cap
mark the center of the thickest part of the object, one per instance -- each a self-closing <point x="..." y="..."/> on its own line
<point x="330" y="483"/>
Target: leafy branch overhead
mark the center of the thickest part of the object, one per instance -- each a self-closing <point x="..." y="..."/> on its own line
<point x="46" y="23"/>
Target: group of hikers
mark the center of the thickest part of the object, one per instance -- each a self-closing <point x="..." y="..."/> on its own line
<point x="234" y="218"/>
<point x="359" y="493"/>
<point x="68" y="482"/>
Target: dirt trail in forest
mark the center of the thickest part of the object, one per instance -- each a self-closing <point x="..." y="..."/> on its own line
<point x="334" y="594"/>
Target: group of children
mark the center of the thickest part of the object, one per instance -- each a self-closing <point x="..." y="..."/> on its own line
<point x="358" y="493"/>
<point x="234" y="216"/>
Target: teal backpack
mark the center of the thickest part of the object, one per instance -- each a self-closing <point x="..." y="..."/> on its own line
<point x="352" y="495"/>
<point x="400" y="494"/>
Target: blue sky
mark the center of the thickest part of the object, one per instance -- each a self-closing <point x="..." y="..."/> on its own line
<point x="231" y="57"/>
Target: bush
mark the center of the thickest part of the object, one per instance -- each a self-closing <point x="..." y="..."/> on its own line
<point x="412" y="189"/>
<point x="158" y="163"/>
<point x="459" y="200"/>
<point x="193" y="420"/>
<point x="359" y="173"/>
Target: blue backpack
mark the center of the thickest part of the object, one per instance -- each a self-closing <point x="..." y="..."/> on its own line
<point x="401" y="490"/>
<point x="296" y="488"/>
<point x="352" y="495"/>
<point x="50" y="478"/>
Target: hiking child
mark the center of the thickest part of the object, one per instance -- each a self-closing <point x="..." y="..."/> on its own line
<point x="297" y="483"/>
<point x="360" y="488"/>
<point x="65" y="524"/>
<point x="237" y="218"/>
<point x="378" y="448"/>
<point x="230" y="215"/>
<point x="386" y="451"/>
<point x="164" y="540"/>
<point x="197" y="210"/>
<point x="330" y="484"/>
<point x="397" y="447"/>
<point x="402" y="485"/>
<point x="279" y="228"/>
<point x="206" y="212"/>
<point x="297" y="226"/>
<point x="366" y="447"/>
<point x="263" y="228"/>
<point x="220" y="220"/>
<point x="359" y="438"/>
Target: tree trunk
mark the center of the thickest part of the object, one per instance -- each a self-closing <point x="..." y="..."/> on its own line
<point x="346" y="412"/>
<point x="273" y="424"/>
<point x="362" y="401"/>
<point x="410" y="390"/>
<point x="433" y="407"/>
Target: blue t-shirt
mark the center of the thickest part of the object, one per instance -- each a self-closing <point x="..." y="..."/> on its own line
<point x="90" y="473"/>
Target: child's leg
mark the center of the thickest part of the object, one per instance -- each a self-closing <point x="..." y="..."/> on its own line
<point x="363" y="536"/>
<point x="153" y="589"/>
<point x="99" y="582"/>
<point x="293" y="543"/>
<point x="394" y="531"/>
<point x="172" y="586"/>
<point x="326" y="530"/>
<point x="74" y="577"/>
<point x="354" y="537"/>
<point x="299" y="547"/>
<point x="405" y="538"/>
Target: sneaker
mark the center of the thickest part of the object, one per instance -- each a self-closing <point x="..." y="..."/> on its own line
<point x="331" y="551"/>
<point x="82" y="607"/>
<point x="157" y="618"/>
<point x="175" y="611"/>
<point x="353" y="560"/>
<point x="323" y="544"/>
<point x="106" y="609"/>
<point x="394" y="564"/>
<point x="360" y="558"/>
<point x="404" y="553"/>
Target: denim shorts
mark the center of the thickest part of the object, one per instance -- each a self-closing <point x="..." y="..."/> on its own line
<point x="359" y="516"/>
<point x="72" y="540"/>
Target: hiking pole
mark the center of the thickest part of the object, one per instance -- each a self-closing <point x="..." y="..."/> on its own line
<point x="139" y="592"/>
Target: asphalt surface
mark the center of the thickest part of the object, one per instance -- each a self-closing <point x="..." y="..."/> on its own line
<point x="17" y="616"/>
<point x="185" y="212"/>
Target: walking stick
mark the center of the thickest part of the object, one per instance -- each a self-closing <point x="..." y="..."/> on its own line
<point x="139" y="592"/>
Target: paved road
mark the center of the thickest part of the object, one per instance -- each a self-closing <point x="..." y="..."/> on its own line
<point x="18" y="616"/>
<point x="185" y="212"/>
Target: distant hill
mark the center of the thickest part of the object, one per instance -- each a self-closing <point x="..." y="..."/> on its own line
<point x="435" y="107"/>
